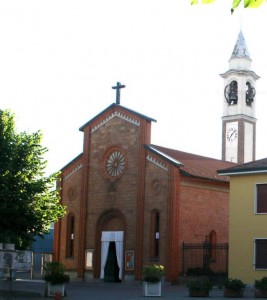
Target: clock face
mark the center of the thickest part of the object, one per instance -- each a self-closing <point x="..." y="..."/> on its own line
<point x="115" y="164"/>
<point x="231" y="134"/>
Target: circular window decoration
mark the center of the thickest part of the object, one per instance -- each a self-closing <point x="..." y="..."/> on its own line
<point x="72" y="193"/>
<point x="115" y="163"/>
<point x="156" y="186"/>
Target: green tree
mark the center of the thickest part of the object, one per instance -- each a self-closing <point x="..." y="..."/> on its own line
<point x="235" y="4"/>
<point x="248" y="3"/>
<point x="29" y="202"/>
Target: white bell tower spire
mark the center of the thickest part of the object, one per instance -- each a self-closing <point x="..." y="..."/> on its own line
<point x="238" y="121"/>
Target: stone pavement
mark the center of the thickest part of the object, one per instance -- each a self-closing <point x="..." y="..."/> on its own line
<point x="99" y="290"/>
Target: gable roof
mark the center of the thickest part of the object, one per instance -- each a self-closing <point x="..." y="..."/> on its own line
<point x="257" y="166"/>
<point x="164" y="155"/>
<point x="114" y="105"/>
<point x="71" y="162"/>
<point x="196" y="165"/>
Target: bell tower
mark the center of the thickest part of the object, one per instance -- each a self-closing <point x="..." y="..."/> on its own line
<point x="238" y="120"/>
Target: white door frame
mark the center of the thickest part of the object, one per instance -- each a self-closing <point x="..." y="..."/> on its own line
<point x="107" y="237"/>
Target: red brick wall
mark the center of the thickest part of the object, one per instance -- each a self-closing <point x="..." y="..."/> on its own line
<point x="95" y="197"/>
<point x="203" y="209"/>
<point x="123" y="135"/>
<point x="125" y="192"/>
<point x="165" y="200"/>
<point x="188" y="211"/>
<point x="155" y="200"/>
<point x="71" y="195"/>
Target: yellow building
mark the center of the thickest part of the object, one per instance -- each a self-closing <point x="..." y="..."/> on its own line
<point x="248" y="220"/>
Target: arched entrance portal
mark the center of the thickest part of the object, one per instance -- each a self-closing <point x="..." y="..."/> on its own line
<point x="111" y="232"/>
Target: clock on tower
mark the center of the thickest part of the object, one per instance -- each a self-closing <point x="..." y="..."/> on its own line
<point x="231" y="134"/>
<point x="238" y="121"/>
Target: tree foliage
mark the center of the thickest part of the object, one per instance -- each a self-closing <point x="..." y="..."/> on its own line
<point x="248" y="3"/>
<point x="236" y="3"/>
<point x="29" y="202"/>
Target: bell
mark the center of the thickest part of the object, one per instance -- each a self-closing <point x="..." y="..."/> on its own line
<point x="233" y="98"/>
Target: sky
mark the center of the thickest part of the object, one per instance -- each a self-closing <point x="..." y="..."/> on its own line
<point x="59" y="60"/>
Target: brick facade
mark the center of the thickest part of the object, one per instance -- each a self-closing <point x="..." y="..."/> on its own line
<point x="149" y="182"/>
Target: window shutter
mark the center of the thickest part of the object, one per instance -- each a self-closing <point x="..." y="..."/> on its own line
<point x="261" y="254"/>
<point x="262" y="198"/>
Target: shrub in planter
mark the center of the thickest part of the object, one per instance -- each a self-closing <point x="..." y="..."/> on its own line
<point x="152" y="280"/>
<point x="55" y="273"/>
<point x="199" y="287"/>
<point x="260" y="286"/>
<point x="56" y="278"/>
<point x="234" y="288"/>
<point x="153" y="273"/>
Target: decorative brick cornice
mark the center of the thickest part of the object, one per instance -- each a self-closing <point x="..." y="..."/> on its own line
<point x="75" y="169"/>
<point x="156" y="162"/>
<point x="210" y="185"/>
<point x="113" y="115"/>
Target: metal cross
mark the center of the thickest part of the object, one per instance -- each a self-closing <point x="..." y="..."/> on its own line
<point x="117" y="88"/>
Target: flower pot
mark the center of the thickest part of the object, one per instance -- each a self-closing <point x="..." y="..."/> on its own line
<point x="198" y="293"/>
<point x="151" y="289"/>
<point x="54" y="289"/>
<point x="58" y="296"/>
<point x="259" y="293"/>
<point x="228" y="293"/>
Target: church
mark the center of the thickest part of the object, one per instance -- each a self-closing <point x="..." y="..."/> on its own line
<point x="131" y="203"/>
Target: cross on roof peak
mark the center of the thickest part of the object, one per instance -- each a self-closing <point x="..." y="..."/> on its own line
<point x="117" y="88"/>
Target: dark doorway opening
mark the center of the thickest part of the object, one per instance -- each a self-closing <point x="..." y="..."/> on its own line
<point x="112" y="268"/>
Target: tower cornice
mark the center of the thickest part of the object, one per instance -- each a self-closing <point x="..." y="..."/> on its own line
<point x="240" y="72"/>
<point x="240" y="117"/>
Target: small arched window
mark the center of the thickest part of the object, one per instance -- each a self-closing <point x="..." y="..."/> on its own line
<point x="154" y="236"/>
<point x="70" y="235"/>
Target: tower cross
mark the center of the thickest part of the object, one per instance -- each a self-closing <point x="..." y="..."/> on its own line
<point x="117" y="88"/>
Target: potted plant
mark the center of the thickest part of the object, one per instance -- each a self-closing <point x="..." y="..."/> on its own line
<point x="54" y="275"/>
<point x="199" y="287"/>
<point x="260" y="286"/>
<point x="234" y="288"/>
<point x="152" y="280"/>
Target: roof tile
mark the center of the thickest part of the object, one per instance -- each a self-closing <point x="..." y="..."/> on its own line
<point x="197" y="165"/>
